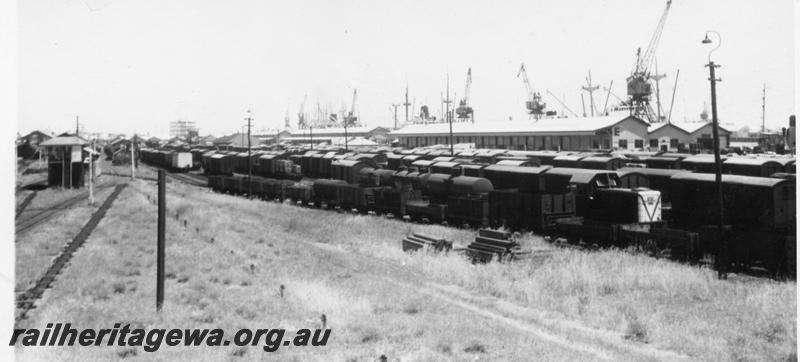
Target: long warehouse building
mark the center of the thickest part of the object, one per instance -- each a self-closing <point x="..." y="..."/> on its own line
<point x="607" y="132"/>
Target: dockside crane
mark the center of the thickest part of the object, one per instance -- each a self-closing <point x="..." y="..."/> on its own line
<point x="534" y="103"/>
<point x="302" y="122"/>
<point x="464" y="110"/>
<point x="639" y="87"/>
<point x="351" y="120"/>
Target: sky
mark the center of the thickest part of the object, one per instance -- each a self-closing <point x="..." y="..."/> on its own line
<point x="134" y="66"/>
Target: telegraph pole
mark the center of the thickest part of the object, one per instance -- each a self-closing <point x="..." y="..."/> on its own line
<point x="91" y="175"/>
<point x="133" y="166"/>
<point x="249" y="119"/>
<point x="763" y="108"/>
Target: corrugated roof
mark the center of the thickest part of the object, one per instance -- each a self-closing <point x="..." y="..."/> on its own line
<point x="587" y="125"/>
<point x="65" y="141"/>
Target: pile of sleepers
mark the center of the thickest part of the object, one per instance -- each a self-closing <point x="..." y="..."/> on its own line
<point x="491" y="244"/>
<point x="417" y="241"/>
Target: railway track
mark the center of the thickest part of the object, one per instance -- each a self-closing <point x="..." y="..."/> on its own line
<point x="26" y="301"/>
<point x="185" y="177"/>
<point x="192" y="179"/>
<point x="27" y="223"/>
<point x="25" y="203"/>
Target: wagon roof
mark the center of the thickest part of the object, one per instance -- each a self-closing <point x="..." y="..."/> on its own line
<point x="701" y="158"/>
<point x="578" y="175"/>
<point x="569" y="157"/>
<point x="446" y="164"/>
<point x="517" y="169"/>
<point x="649" y="171"/>
<point x="602" y="158"/>
<point x="349" y="163"/>
<point x="729" y="179"/>
<point x="750" y="161"/>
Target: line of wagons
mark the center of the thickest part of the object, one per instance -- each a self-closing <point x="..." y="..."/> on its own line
<point x="669" y="210"/>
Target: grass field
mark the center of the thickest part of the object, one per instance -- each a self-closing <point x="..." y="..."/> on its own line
<point x="228" y="259"/>
<point x="36" y="248"/>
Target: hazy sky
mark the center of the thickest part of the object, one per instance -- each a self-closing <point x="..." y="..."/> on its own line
<point x="128" y="66"/>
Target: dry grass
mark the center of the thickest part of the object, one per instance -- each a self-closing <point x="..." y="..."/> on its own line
<point x="235" y="281"/>
<point x="677" y="307"/>
<point x="36" y="248"/>
<point x="228" y="263"/>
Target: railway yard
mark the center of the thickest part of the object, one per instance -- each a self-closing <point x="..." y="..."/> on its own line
<point x="280" y="260"/>
<point x="266" y="181"/>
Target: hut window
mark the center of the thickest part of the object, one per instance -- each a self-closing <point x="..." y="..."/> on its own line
<point x="638" y="143"/>
<point x="623" y="144"/>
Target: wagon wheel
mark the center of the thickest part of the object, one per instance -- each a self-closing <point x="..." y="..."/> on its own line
<point x="651" y="246"/>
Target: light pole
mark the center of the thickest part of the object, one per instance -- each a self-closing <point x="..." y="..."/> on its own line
<point x="721" y="260"/>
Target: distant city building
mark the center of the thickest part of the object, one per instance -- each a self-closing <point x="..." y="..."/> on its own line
<point x="184" y="130"/>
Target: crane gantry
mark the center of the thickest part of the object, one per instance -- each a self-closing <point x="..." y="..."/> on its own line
<point x="639" y="87"/>
<point x="464" y="110"/>
<point x="534" y="103"/>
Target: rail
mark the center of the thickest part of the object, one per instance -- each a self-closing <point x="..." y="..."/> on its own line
<point x="26" y="301"/>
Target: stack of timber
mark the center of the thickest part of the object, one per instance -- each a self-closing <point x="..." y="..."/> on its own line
<point x="490" y="244"/>
<point x="417" y="241"/>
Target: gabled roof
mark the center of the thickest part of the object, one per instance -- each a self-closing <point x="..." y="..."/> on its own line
<point x="692" y="127"/>
<point x="657" y="126"/>
<point x="65" y="141"/>
<point x="37" y="132"/>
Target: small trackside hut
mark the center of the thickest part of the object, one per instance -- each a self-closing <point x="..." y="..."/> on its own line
<point x="65" y="166"/>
